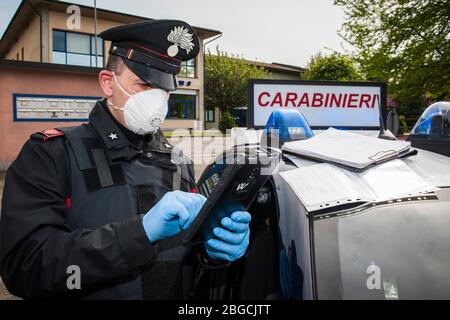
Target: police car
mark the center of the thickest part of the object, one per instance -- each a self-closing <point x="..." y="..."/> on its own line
<point x="391" y="247"/>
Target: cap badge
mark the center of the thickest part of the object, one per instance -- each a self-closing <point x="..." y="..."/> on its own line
<point x="180" y="36"/>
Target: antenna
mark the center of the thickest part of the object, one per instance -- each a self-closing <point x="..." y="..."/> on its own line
<point x="386" y="135"/>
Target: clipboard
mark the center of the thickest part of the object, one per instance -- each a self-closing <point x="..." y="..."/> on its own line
<point x="375" y="160"/>
<point x="349" y="150"/>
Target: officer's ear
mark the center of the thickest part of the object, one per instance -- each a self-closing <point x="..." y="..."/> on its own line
<point x="105" y="78"/>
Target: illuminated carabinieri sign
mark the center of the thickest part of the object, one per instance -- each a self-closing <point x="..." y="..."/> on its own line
<point x="324" y="104"/>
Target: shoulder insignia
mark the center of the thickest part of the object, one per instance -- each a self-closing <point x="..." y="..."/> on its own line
<point x="47" y="134"/>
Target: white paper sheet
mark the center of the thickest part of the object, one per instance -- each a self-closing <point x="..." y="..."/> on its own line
<point x="324" y="185"/>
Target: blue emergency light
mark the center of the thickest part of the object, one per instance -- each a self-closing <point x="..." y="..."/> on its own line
<point x="435" y="120"/>
<point x="288" y="125"/>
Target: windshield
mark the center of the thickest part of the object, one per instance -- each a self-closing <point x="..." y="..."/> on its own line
<point x="396" y="251"/>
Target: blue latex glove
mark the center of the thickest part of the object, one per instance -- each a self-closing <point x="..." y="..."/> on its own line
<point x="230" y="242"/>
<point x="174" y="212"/>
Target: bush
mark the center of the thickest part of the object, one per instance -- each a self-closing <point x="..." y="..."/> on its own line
<point x="226" y="122"/>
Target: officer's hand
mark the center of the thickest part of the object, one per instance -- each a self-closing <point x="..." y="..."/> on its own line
<point x="230" y="242"/>
<point x="173" y="213"/>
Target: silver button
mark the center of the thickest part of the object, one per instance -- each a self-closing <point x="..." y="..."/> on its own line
<point x="172" y="161"/>
<point x="149" y="154"/>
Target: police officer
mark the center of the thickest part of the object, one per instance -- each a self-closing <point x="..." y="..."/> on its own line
<point x="109" y="200"/>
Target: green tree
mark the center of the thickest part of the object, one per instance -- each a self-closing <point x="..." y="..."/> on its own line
<point x="226" y="80"/>
<point x="403" y="42"/>
<point x="332" y="67"/>
<point x="226" y="121"/>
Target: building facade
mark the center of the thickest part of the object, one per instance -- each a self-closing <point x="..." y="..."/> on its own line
<point x="49" y="62"/>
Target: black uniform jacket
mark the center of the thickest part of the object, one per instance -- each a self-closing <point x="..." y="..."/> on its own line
<point x="40" y="237"/>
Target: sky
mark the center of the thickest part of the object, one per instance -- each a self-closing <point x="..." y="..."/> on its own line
<point x="282" y="31"/>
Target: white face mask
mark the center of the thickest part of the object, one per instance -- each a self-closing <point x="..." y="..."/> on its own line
<point x="144" y="111"/>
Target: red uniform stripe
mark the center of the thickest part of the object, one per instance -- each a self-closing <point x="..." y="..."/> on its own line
<point x="68" y="202"/>
<point x="155" y="52"/>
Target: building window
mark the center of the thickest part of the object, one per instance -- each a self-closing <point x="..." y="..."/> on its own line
<point x="209" y="115"/>
<point x="187" y="69"/>
<point x="182" y="106"/>
<point x="76" y="49"/>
